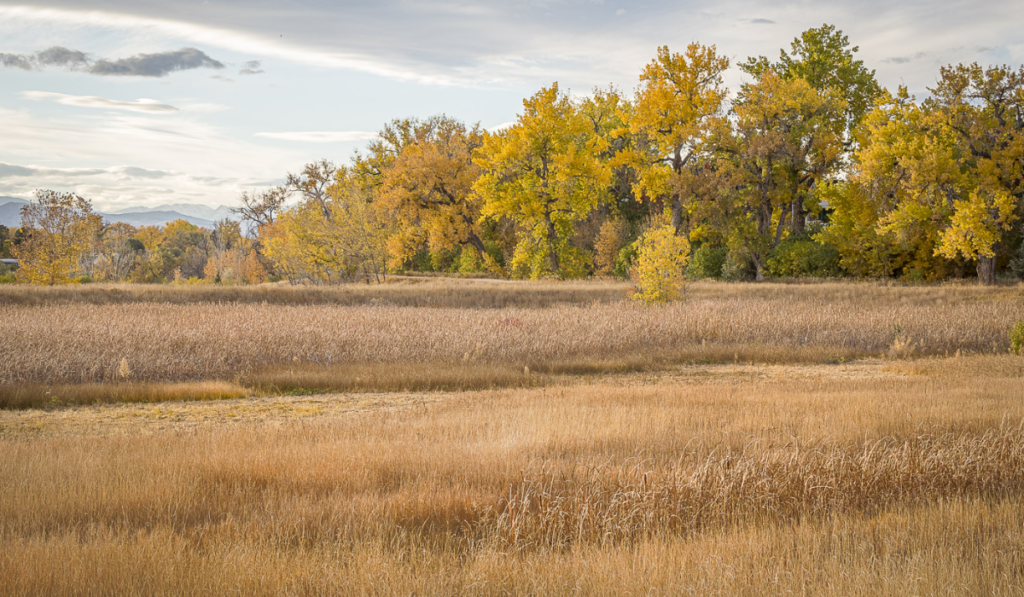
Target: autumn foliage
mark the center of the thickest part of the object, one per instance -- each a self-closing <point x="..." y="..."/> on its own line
<point x="812" y="169"/>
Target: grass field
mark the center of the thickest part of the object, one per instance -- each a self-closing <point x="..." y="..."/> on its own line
<point x="812" y="440"/>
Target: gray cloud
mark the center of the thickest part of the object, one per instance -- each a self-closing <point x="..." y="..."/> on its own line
<point x="59" y="56"/>
<point x="16" y="61"/>
<point x="134" y="172"/>
<point x="7" y="170"/>
<point x="906" y="59"/>
<point x="53" y="56"/>
<point x="762" y="21"/>
<point x="155" y="65"/>
<point x="251" y="68"/>
<point x="140" y="65"/>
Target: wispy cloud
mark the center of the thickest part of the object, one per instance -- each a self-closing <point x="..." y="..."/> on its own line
<point x="159" y="64"/>
<point x="148" y="106"/>
<point x="320" y="136"/>
<point x="251" y="68"/>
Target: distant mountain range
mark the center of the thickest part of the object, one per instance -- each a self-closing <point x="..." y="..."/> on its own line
<point x="200" y="215"/>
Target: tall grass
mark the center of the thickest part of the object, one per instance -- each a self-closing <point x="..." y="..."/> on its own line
<point x="161" y="342"/>
<point x="900" y="484"/>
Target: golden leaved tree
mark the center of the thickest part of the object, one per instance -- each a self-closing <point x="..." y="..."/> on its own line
<point x="426" y="187"/>
<point x="544" y="173"/>
<point x="61" y="228"/>
<point x="340" y="238"/>
<point x="677" y="110"/>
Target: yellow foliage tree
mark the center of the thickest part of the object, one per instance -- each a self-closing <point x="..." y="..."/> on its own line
<point x="677" y="109"/>
<point x="61" y="228"/>
<point x="341" y="239"/>
<point x="660" y="271"/>
<point x="545" y="174"/>
<point x="427" y="187"/>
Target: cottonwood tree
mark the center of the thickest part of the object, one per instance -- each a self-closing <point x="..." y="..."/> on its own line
<point x="313" y="182"/>
<point x="426" y="186"/>
<point x="677" y="108"/>
<point x="63" y="227"/>
<point x="983" y="110"/>
<point x="779" y="143"/>
<point x="346" y="241"/>
<point x="544" y="173"/>
<point x="824" y="59"/>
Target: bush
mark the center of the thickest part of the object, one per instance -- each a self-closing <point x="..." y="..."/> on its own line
<point x="1017" y="263"/>
<point x="707" y="262"/>
<point x="1017" y="337"/>
<point x="660" y="265"/>
<point x="737" y="267"/>
<point x="7" y="279"/>
<point x="796" y="258"/>
<point x="624" y="262"/>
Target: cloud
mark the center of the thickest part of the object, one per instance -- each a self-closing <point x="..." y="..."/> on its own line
<point x="7" y="170"/>
<point x="500" y="127"/>
<point x="906" y="59"/>
<point x="53" y="56"/>
<point x="320" y="136"/>
<point x="141" y="65"/>
<point x="620" y="12"/>
<point x="251" y="68"/>
<point x="134" y="172"/>
<point x="155" y="65"/>
<point x="59" y="56"/>
<point x="148" y="106"/>
<point x="762" y="22"/>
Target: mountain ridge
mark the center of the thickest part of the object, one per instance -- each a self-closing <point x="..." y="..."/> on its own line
<point x="160" y="215"/>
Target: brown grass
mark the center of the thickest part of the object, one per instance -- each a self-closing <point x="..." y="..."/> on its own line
<point x="32" y="395"/>
<point x="401" y="292"/>
<point x="164" y="342"/>
<point x="904" y="482"/>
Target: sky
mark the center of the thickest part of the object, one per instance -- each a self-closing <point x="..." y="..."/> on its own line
<point x="145" y="102"/>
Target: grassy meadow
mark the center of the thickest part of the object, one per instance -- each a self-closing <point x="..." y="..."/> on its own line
<point x="486" y="438"/>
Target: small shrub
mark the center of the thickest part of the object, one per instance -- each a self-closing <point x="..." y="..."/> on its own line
<point x="661" y="264"/>
<point x="796" y="258"/>
<point x="1017" y="337"/>
<point x="469" y="260"/>
<point x="737" y="267"/>
<point x="1017" y="263"/>
<point x="8" y="279"/>
<point x="707" y="262"/>
<point x="624" y="262"/>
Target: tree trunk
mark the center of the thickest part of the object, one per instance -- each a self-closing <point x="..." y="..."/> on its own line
<point x="759" y="276"/>
<point x="552" y="249"/>
<point x="798" y="216"/>
<point x="986" y="270"/>
<point x="677" y="215"/>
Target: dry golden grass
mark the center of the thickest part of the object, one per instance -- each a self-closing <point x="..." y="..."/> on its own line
<point x="892" y="478"/>
<point x="164" y="342"/>
<point x="401" y="292"/>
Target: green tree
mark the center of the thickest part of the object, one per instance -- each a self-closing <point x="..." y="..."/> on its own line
<point x="824" y="59"/>
<point x="779" y="145"/>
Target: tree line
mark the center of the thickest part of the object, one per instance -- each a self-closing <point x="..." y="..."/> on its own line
<point x="810" y="169"/>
